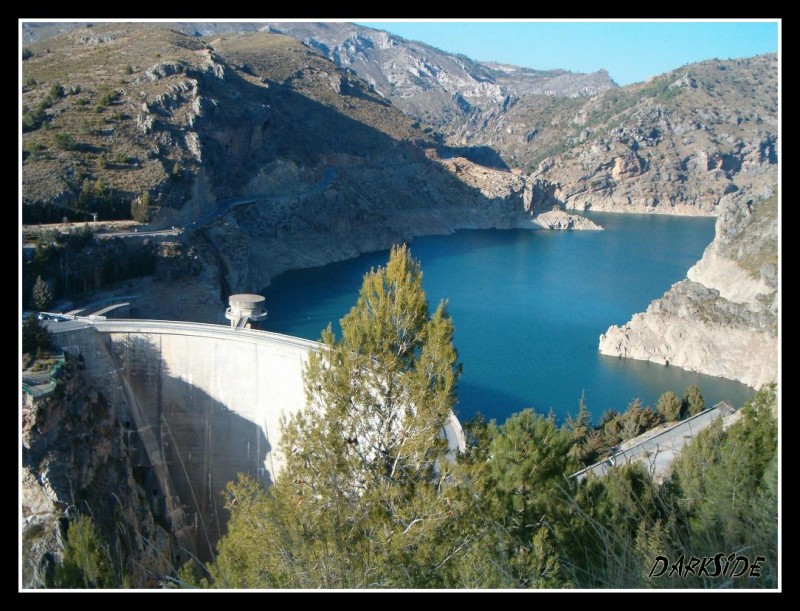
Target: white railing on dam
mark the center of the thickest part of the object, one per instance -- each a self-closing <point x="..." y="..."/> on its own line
<point x="171" y="327"/>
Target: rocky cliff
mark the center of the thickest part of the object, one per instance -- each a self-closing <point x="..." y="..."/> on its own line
<point x="675" y="144"/>
<point x="722" y="320"/>
<point x="79" y="455"/>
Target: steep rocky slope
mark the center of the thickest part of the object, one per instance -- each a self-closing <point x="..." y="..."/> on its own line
<point x="434" y="86"/>
<point x="722" y="320"/>
<point x="674" y="144"/>
<point x="327" y="167"/>
<point x="79" y="455"/>
<point x="431" y="85"/>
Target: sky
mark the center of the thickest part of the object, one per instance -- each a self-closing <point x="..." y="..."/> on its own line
<point x="631" y="51"/>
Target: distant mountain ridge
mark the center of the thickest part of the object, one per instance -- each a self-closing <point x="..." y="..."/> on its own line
<point x="429" y="84"/>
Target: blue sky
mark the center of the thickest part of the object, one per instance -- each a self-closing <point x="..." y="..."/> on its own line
<point x="630" y="51"/>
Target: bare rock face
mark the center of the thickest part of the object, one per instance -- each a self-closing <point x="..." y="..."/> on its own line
<point x="434" y="86"/>
<point x="558" y="219"/>
<point x="676" y="144"/>
<point x="626" y="166"/>
<point x="722" y="321"/>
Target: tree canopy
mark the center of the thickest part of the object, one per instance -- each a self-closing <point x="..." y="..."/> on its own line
<point x="365" y="485"/>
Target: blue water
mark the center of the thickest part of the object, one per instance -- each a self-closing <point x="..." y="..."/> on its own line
<point x="529" y="307"/>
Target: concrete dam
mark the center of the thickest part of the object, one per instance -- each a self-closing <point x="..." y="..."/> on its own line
<point x="204" y="402"/>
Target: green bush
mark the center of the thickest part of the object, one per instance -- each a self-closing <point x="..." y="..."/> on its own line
<point x="88" y="562"/>
<point x="65" y="141"/>
<point x="140" y="208"/>
<point x="56" y="91"/>
<point x="693" y="402"/>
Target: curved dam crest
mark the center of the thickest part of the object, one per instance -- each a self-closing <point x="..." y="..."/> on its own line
<point x="206" y="403"/>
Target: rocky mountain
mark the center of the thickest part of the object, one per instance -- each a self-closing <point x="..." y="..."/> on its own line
<point x="437" y="88"/>
<point x="123" y="118"/>
<point x="723" y="319"/>
<point x="677" y="143"/>
<point x="674" y="144"/>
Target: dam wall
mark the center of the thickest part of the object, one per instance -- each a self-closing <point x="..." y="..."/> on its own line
<point x="206" y="403"/>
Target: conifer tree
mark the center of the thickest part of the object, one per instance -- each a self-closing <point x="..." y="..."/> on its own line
<point x="364" y="499"/>
<point x="41" y="296"/>
<point x="693" y="402"/>
<point x="669" y="406"/>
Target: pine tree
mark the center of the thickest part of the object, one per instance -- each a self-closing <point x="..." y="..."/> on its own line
<point x="523" y="490"/>
<point x="365" y="498"/>
<point x="581" y="425"/>
<point x="669" y="406"/>
<point x="41" y="296"/>
<point x="693" y="402"/>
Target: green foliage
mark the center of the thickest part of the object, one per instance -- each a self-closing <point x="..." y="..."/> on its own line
<point x="87" y="561"/>
<point x="77" y="239"/>
<point x="45" y="245"/>
<point x="363" y="499"/>
<point x="32" y="150"/>
<point x="106" y="99"/>
<point x="632" y="422"/>
<point x="693" y="402"/>
<point x="609" y="518"/>
<point x="669" y="406"/>
<point x="726" y="481"/>
<point x="582" y="423"/>
<point x="35" y="336"/>
<point x="26" y="53"/>
<point x="86" y="195"/>
<point x="56" y="92"/>
<point x="128" y="69"/>
<point x="529" y="465"/>
<point x="523" y="488"/>
<point x="140" y="208"/>
<point x="65" y="141"/>
<point x="32" y="119"/>
<point x="42" y="296"/>
<point x="721" y="498"/>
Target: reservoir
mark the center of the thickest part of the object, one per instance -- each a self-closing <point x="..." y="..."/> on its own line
<point x="529" y="307"/>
